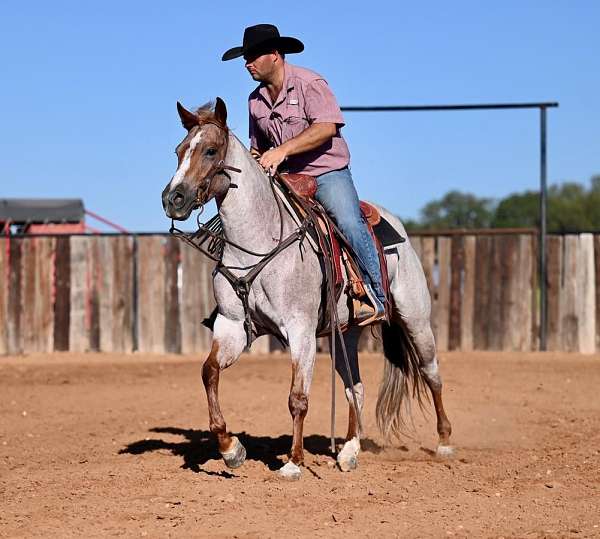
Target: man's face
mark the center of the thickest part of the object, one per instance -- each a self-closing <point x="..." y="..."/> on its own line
<point x="261" y="66"/>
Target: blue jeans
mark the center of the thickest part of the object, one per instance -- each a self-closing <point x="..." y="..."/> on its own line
<point x="337" y="194"/>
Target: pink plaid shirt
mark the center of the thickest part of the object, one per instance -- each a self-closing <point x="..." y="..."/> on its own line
<point x="305" y="99"/>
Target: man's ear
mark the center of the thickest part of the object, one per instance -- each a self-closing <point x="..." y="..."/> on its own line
<point x="188" y="119"/>
<point x="221" y="112"/>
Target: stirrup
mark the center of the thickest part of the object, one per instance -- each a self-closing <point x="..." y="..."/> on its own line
<point x="369" y="313"/>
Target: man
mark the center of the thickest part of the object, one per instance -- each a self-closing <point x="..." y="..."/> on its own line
<point x="295" y="124"/>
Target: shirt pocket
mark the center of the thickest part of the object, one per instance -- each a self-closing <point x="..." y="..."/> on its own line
<point x="294" y="125"/>
<point x="262" y="121"/>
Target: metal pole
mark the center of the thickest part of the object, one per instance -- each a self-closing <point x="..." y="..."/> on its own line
<point x="542" y="247"/>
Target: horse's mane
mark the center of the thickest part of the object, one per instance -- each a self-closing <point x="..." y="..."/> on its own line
<point x="206" y="111"/>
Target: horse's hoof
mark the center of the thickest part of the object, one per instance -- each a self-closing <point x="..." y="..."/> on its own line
<point x="444" y="451"/>
<point x="290" y="472"/>
<point x="236" y="457"/>
<point x="347" y="464"/>
<point x="347" y="458"/>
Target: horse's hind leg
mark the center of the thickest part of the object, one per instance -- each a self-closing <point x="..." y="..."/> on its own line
<point x="303" y="349"/>
<point x="348" y="456"/>
<point x="228" y="343"/>
<point x="425" y="344"/>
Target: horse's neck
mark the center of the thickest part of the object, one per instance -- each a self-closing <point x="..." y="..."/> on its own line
<point x="249" y="213"/>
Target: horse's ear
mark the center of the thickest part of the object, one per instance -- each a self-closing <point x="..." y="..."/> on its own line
<point x="188" y="119"/>
<point x="221" y="112"/>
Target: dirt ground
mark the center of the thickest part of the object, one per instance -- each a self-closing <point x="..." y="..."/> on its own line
<point x="97" y="445"/>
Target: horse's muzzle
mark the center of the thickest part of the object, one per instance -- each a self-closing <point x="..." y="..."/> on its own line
<point x="178" y="203"/>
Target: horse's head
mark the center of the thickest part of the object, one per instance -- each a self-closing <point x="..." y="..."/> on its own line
<point x="201" y="154"/>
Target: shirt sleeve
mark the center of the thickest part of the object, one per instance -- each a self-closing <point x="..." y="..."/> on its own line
<point x="321" y="105"/>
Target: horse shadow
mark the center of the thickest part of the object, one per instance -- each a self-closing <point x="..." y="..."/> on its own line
<point x="199" y="446"/>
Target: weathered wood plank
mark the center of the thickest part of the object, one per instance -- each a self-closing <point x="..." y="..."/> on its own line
<point x="105" y="274"/>
<point x="456" y="291"/>
<point x="428" y="261"/>
<point x="62" y="300"/>
<point x="528" y="285"/>
<point x="80" y="319"/>
<point x="597" y="273"/>
<point x="495" y="285"/>
<point x="95" y="290"/>
<point x="569" y="307"/>
<point x="191" y="300"/>
<point x="172" y="325"/>
<point x="482" y="292"/>
<point x="510" y="285"/>
<point x="4" y="281"/>
<point x="197" y="300"/>
<point x="586" y="294"/>
<point x="468" y="298"/>
<point x="28" y="293"/>
<point x="415" y="242"/>
<point x="37" y="312"/>
<point x="554" y="269"/>
<point x="122" y="298"/>
<point x="442" y="302"/>
<point x="151" y="294"/>
<point x="517" y="313"/>
<point x="535" y="294"/>
<point x="14" y="298"/>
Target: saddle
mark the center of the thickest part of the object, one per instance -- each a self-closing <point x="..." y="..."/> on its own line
<point x="336" y="250"/>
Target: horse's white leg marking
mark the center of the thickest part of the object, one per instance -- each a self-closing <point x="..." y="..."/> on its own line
<point x="229" y="340"/>
<point x="185" y="164"/>
<point x="348" y="456"/>
<point x="303" y="348"/>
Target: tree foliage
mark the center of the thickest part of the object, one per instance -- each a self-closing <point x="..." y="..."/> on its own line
<point x="571" y="207"/>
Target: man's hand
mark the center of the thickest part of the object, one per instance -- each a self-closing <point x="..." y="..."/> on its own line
<point x="271" y="159"/>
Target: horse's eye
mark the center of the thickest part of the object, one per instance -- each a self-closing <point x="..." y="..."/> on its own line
<point x="211" y="152"/>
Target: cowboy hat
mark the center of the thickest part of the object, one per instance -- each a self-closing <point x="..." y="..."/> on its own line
<point x="264" y="37"/>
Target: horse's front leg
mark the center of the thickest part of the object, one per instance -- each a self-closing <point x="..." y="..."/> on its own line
<point x="303" y="350"/>
<point x="228" y="343"/>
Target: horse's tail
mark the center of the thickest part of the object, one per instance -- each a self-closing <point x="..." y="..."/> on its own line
<point x="401" y="377"/>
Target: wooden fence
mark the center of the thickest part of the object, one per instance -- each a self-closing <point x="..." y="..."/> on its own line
<point x="151" y="292"/>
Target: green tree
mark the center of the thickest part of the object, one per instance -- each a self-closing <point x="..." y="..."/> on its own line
<point x="518" y="210"/>
<point x="457" y="210"/>
<point x="568" y="208"/>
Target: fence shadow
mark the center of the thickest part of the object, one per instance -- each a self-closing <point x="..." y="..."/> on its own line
<point x="199" y="446"/>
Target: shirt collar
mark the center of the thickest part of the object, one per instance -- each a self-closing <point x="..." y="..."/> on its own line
<point x="288" y="84"/>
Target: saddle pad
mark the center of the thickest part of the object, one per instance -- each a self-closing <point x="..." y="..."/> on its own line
<point x="387" y="234"/>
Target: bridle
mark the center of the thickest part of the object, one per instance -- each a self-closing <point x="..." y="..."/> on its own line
<point x="203" y="191"/>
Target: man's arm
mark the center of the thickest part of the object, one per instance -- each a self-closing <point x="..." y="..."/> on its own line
<point x="312" y="137"/>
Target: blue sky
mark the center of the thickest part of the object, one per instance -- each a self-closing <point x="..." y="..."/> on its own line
<point x="88" y="92"/>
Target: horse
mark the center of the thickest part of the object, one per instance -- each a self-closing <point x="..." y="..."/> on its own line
<point x="285" y="297"/>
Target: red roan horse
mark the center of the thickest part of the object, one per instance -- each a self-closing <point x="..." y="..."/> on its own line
<point x="284" y="299"/>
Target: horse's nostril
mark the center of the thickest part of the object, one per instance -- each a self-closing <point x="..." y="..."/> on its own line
<point x="176" y="199"/>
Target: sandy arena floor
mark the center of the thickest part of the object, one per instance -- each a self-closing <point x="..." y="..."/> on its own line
<point x="97" y="445"/>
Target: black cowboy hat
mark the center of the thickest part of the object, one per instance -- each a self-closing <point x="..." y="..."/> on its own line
<point x="264" y="37"/>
